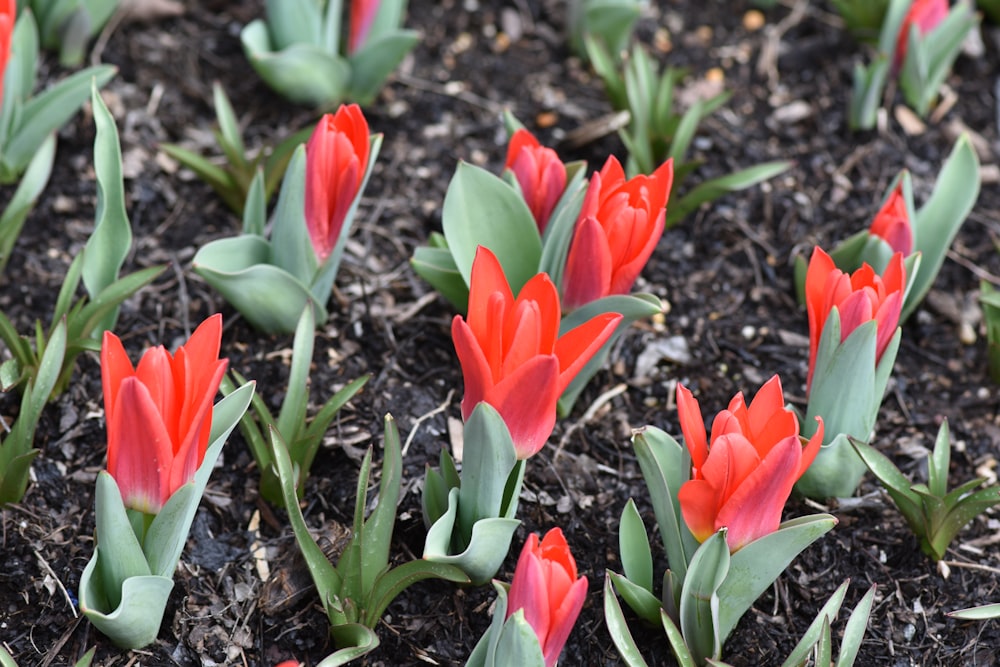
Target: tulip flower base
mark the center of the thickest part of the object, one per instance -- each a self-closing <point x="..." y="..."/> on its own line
<point x="241" y="594"/>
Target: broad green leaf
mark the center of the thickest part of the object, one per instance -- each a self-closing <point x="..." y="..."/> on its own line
<point x="303" y="73"/>
<point x="754" y="568"/>
<point x="481" y="209"/>
<point x="488" y="461"/>
<point x="633" y="546"/>
<point x="32" y="183"/>
<point x="895" y="483"/>
<point x="518" y="643"/>
<point x="437" y="267"/>
<point x="291" y="247"/>
<point x="375" y="62"/>
<point x="701" y="604"/>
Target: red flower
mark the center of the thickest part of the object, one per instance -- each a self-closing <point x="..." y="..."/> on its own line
<point x="546" y="587"/>
<point x="336" y="159"/>
<point x="743" y="479"/>
<point x="8" y="14"/>
<point x="859" y="297"/>
<point x="892" y="223"/>
<point x="362" y="17"/>
<point x="159" y="414"/>
<point x="618" y="228"/>
<point x="511" y="352"/>
<point x="926" y="15"/>
<point x="539" y="172"/>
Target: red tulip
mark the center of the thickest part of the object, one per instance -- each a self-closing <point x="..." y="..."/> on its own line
<point x="159" y="414"/>
<point x="926" y="15"/>
<point x="618" y="228"/>
<point x="8" y="15"/>
<point x="742" y="480"/>
<point x="336" y="159"/>
<point x="539" y="172"/>
<point x="546" y="587"/>
<point x="511" y="352"/>
<point x="892" y="223"/>
<point x="859" y="297"/>
<point x="363" y="14"/>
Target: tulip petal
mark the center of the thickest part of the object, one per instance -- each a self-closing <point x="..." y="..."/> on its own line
<point x="699" y="502"/>
<point x="115" y="367"/>
<point x="578" y="345"/>
<point x="528" y="591"/>
<point x="526" y="399"/>
<point x="563" y="617"/>
<point x="476" y="372"/>
<point x="588" y="265"/>
<point x="487" y="278"/>
<point x="692" y="425"/>
<point x="139" y="448"/>
<point x="754" y="509"/>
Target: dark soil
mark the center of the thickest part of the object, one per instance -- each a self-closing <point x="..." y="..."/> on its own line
<point x="725" y="273"/>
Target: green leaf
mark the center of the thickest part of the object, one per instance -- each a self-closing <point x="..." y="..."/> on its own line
<point x="938" y="462"/>
<point x="665" y="467"/>
<point x="354" y="640"/>
<point x="618" y="628"/>
<point x="238" y="268"/>
<point x="487" y="547"/>
<point x="111" y="239"/>
<point x="754" y="568"/>
<point x="35" y="178"/>
<point x="982" y="613"/>
<point x="45" y="113"/>
<point x="291" y="247"/>
<point x="377" y="532"/>
<point x="393" y="582"/>
<point x="292" y="416"/>
<point x="480" y="209"/>
<point x="896" y="484"/>
<point x="376" y="60"/>
<point x="939" y="219"/>
<point x="827" y="614"/>
<point x="437" y="267"/>
<point x="640" y="599"/>
<point x="231" y="139"/>
<point x="715" y="188"/>
<point x="633" y="546"/>
<point x="701" y="603"/>
<point x="303" y="73"/>
<point x="326" y="578"/>
<point x="518" y="643"/>
<point x="854" y="633"/>
<point x="487" y="465"/>
<point x="677" y="642"/>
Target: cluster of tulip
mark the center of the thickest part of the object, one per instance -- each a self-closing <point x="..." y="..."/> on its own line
<point x="540" y="263"/>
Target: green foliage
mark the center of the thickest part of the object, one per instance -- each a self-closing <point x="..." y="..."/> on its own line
<point x="303" y="437"/>
<point x="232" y="182"/>
<point x="67" y="25"/>
<point x="989" y="299"/>
<point x="609" y="22"/>
<point x="298" y="51"/>
<point x="97" y="266"/>
<point x="706" y="589"/>
<point x="658" y="131"/>
<point x="355" y="592"/>
<point x="934" y="514"/>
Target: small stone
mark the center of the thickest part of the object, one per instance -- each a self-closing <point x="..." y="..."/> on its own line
<point x="753" y="20"/>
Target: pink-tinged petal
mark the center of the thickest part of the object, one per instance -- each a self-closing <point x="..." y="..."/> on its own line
<point x="731" y="459"/>
<point x="363" y="14"/>
<point x="588" y="265"/>
<point x="476" y="372"/>
<point x="521" y="142"/>
<point x="578" y="346"/>
<point x="155" y="371"/>
<point x="692" y="425"/>
<point x="553" y="184"/>
<point x="528" y="590"/>
<point x="754" y="510"/>
<point x="887" y="319"/>
<point x="139" y="449"/>
<point x="626" y="273"/>
<point x="855" y="311"/>
<point x="8" y="12"/>
<point x="524" y="339"/>
<point x="542" y="291"/>
<point x="563" y="618"/>
<point x="526" y="400"/>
